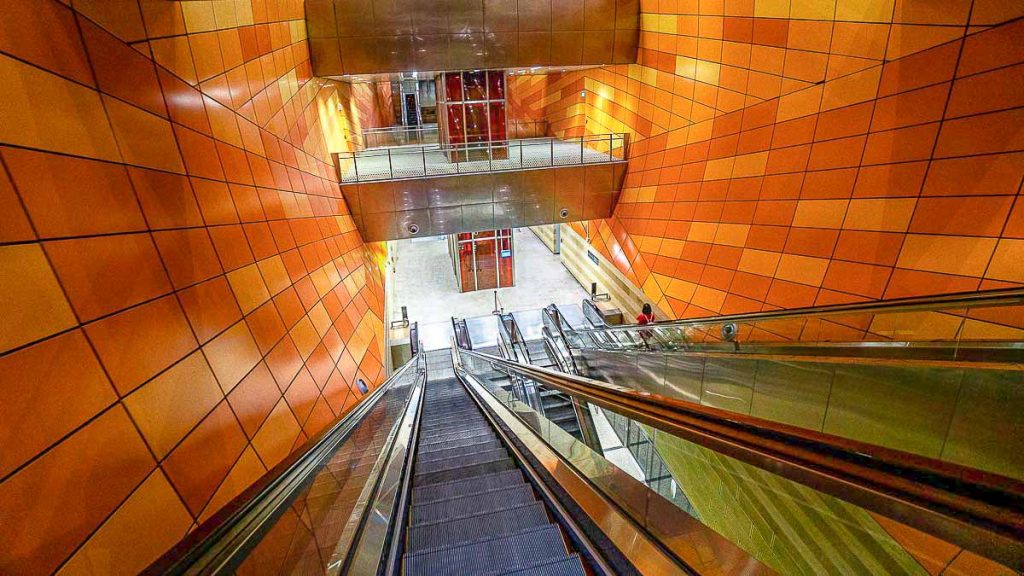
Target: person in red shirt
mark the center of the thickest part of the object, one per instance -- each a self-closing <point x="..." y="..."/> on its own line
<point x="646" y="315"/>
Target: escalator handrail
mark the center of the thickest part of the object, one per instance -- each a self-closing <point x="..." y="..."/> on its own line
<point x="231" y="531"/>
<point x="461" y="331"/>
<point x="514" y="336"/>
<point x="972" y="508"/>
<point x="1003" y="297"/>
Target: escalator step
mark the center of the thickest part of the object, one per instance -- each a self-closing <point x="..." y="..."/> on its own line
<point x="446" y="490"/>
<point x="423" y="468"/>
<point x="433" y="443"/>
<point x="467" y="505"/>
<point x="455" y="451"/>
<point x="464" y="472"/>
<point x="470" y="528"/>
<point x="524" y="549"/>
<point x="455" y="443"/>
<point x="571" y="566"/>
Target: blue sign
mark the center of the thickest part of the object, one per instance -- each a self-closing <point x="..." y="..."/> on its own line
<point x="506" y="253"/>
<point x="593" y="258"/>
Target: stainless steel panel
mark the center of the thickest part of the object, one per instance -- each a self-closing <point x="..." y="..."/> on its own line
<point x="509" y="214"/>
<point x="421" y="218"/>
<point x="376" y="197"/>
<point x="445" y="220"/>
<point x="473" y="189"/>
<point x="392" y="17"/>
<point x="501" y="49"/>
<point x="987" y="431"/>
<point x="683" y="376"/>
<point x="902" y="408"/>
<point x="427" y="19"/>
<point x="728" y="384"/>
<point x="465" y="16"/>
<point x="410" y="194"/>
<point x="534" y="48"/>
<point x="327" y="52"/>
<point x="351" y="195"/>
<point x="598" y="179"/>
<point x="627" y="14"/>
<point x="597" y="206"/>
<point x="358" y="56"/>
<point x="320" y="17"/>
<point x="465" y="50"/>
<point x="534" y="15"/>
<point x="477" y="217"/>
<point x="567" y="15"/>
<point x="598" y="45"/>
<point x="626" y="44"/>
<point x="793" y="393"/>
<point x="352" y="18"/>
<point x="379" y="226"/>
<point x="431" y="52"/>
<point x="507" y="186"/>
<point x="599" y="14"/>
<point x="500" y="15"/>
<point x="567" y="48"/>
<point x="441" y="35"/>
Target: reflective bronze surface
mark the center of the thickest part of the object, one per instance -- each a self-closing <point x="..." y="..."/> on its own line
<point x="973" y="509"/>
<point x="475" y="202"/>
<point x="375" y="36"/>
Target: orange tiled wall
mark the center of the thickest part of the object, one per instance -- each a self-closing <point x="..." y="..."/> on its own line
<point x="797" y="152"/>
<point x="184" y="296"/>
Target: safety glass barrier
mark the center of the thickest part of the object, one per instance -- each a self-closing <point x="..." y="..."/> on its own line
<point x="307" y="520"/>
<point x="793" y="527"/>
<point x="400" y="136"/>
<point x="479" y="157"/>
<point x="984" y="328"/>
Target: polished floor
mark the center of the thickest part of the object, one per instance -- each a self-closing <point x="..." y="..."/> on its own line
<point x="418" y="162"/>
<point x="425" y="284"/>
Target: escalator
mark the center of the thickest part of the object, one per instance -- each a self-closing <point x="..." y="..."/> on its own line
<point x="454" y="466"/>
<point x="472" y="510"/>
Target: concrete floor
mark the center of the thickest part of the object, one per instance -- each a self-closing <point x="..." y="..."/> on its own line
<point x="425" y="283"/>
<point x="415" y="161"/>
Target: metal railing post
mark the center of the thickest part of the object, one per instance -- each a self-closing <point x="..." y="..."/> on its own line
<point x="581" y="149"/>
<point x="521" y="154"/>
<point x="355" y="165"/>
<point x="391" y="167"/>
<point x="552" y="142"/>
<point x="423" y="155"/>
<point x="610" y="155"/>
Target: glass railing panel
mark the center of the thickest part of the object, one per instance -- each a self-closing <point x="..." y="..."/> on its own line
<point x="427" y="160"/>
<point x="319" y="522"/>
<point x="920" y="408"/>
<point x="990" y="329"/>
<point x="789" y="526"/>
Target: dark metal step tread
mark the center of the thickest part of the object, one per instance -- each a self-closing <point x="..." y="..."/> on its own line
<point x="465" y="472"/>
<point x="460" y="461"/>
<point x="478" y="484"/>
<point x="463" y="441"/>
<point x="431" y="443"/>
<point x="469" y="504"/>
<point x="571" y="566"/>
<point x="518" y="551"/>
<point x="464" y="450"/>
<point x="479" y="526"/>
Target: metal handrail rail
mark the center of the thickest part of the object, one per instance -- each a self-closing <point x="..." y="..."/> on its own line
<point x="977" y="510"/>
<point x="616" y="143"/>
<point x="234" y="530"/>
<point x="1002" y="297"/>
<point x="516" y="336"/>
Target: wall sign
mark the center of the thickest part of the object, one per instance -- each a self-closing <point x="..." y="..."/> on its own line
<point x="593" y="258"/>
